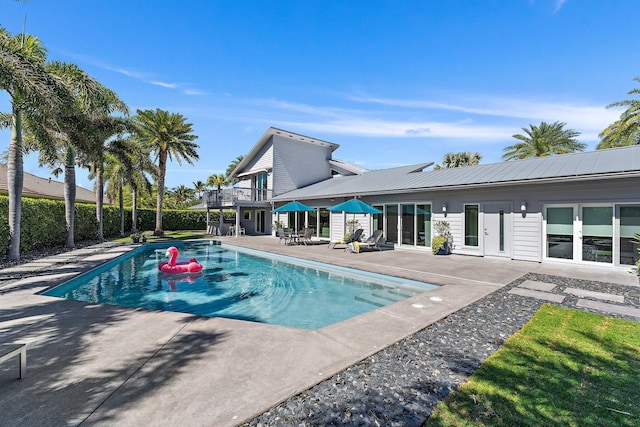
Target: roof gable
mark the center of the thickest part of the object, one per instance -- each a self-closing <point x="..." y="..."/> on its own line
<point x="265" y="139"/>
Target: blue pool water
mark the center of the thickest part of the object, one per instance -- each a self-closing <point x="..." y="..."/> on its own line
<point x="241" y="284"/>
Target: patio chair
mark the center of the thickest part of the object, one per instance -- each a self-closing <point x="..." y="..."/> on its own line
<point x="306" y="236"/>
<point x="354" y="237"/>
<point x="282" y="236"/>
<point x="373" y="242"/>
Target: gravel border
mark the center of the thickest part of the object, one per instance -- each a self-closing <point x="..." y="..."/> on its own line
<point x="402" y="384"/>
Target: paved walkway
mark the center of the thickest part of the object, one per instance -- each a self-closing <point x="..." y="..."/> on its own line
<point x="94" y="364"/>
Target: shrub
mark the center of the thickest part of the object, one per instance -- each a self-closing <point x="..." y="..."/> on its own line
<point x="437" y="244"/>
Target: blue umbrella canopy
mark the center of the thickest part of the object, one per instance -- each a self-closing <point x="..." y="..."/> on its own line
<point x="294" y="207"/>
<point x="355" y="206"/>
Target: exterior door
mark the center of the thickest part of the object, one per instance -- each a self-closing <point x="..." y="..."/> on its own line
<point x="497" y="229"/>
<point x="260" y="221"/>
<point x="580" y="232"/>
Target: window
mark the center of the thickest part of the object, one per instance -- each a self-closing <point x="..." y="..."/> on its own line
<point x="392" y="223"/>
<point x="560" y="232"/>
<point x="501" y="225"/>
<point x="260" y="185"/>
<point x="408" y="217"/>
<point x="471" y="225"/>
<point x="629" y="224"/>
<point x="597" y="233"/>
<point x="424" y="225"/>
<point x="324" y="222"/>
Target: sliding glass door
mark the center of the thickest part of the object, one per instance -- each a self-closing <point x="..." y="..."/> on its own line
<point x="580" y="233"/>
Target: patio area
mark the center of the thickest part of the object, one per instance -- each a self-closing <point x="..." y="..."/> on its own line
<point x="99" y="365"/>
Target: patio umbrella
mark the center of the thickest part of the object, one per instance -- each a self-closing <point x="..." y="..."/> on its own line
<point x="354" y="206"/>
<point x="294" y="206"/>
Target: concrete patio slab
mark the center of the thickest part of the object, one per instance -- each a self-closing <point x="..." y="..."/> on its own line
<point x="106" y="365"/>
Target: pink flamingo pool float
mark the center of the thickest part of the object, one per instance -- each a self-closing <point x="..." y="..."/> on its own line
<point x="173" y="267"/>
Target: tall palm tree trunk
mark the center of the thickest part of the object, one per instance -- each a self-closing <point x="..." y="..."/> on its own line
<point x="15" y="181"/>
<point x="99" y="203"/>
<point x="121" y="203"/>
<point x="70" y="196"/>
<point x="162" y="170"/>
<point x="134" y="207"/>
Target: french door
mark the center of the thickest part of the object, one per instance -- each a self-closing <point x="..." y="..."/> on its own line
<point x="579" y="232"/>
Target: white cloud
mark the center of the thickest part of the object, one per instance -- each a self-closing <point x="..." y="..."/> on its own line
<point x="588" y="119"/>
<point x="400" y="129"/>
<point x="558" y="5"/>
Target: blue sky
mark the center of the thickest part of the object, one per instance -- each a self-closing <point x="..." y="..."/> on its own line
<point x="392" y="82"/>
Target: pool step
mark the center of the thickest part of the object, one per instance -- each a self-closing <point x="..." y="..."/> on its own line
<point x="383" y="297"/>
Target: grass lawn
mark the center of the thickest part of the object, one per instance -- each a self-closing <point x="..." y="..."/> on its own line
<point x="169" y="236"/>
<point x="563" y="368"/>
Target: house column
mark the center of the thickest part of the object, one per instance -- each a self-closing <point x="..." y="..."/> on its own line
<point x="237" y="229"/>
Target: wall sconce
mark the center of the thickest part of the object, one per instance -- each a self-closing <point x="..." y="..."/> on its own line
<point x="444" y="207"/>
<point x="523" y="206"/>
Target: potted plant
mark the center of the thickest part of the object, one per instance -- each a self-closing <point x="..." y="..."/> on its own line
<point x="441" y="242"/>
<point x="277" y="225"/>
<point x="352" y="225"/>
<point x="135" y="236"/>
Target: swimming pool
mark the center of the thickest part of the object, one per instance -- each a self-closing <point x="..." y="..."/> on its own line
<point x="239" y="283"/>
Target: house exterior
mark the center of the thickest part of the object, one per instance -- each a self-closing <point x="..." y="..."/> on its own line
<point x="38" y="187"/>
<point x="278" y="163"/>
<point x="574" y="208"/>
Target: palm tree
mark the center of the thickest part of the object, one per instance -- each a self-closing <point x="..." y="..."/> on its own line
<point x="456" y="160"/>
<point x="218" y="181"/>
<point x="544" y="140"/>
<point x="232" y="166"/>
<point x="626" y="130"/>
<point x="182" y="193"/>
<point x="107" y="137"/>
<point x="199" y="187"/>
<point x="32" y="90"/>
<point x="123" y="168"/>
<point x="73" y="130"/>
<point x="168" y="137"/>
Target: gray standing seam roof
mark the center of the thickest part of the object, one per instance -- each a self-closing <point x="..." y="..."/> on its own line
<point x="599" y="164"/>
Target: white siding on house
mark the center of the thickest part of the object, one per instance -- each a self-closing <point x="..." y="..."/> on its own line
<point x="527" y="236"/>
<point x="296" y="165"/>
<point x="337" y="225"/>
<point x="264" y="160"/>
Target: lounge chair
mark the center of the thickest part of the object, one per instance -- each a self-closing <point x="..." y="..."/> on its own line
<point x="373" y="242"/>
<point x="354" y="237"/>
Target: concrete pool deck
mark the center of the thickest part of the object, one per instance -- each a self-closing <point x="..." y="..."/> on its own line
<point x="103" y="365"/>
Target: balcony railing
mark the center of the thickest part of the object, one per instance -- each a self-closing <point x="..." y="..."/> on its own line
<point x="236" y="196"/>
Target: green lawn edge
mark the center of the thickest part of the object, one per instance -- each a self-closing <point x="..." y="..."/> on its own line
<point x="565" y="367"/>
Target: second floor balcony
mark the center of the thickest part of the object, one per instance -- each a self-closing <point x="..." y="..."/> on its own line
<point x="230" y="197"/>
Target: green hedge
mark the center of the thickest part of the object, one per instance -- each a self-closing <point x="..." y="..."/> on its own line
<point x="43" y="222"/>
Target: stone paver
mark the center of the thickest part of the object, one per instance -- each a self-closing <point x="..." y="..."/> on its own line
<point x="609" y="308"/>
<point x="596" y="295"/>
<point x="546" y="296"/>
<point x="537" y="286"/>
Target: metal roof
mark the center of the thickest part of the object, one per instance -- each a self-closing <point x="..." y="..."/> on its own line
<point x="599" y="164"/>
